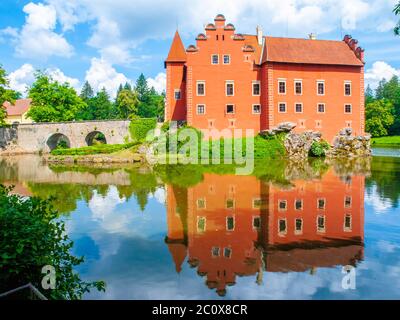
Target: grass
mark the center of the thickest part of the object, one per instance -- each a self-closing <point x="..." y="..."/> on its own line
<point x="95" y="149"/>
<point x="386" y="141"/>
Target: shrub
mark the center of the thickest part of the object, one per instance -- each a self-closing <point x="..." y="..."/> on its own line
<point x="318" y="149"/>
<point x="139" y="127"/>
<point x="62" y="144"/>
<point x="32" y="237"/>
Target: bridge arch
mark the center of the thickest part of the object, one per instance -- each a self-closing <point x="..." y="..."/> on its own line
<point x="95" y="135"/>
<point x="55" y="139"/>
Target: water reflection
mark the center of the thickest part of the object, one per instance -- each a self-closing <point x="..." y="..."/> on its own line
<point x="177" y="232"/>
<point x="229" y="226"/>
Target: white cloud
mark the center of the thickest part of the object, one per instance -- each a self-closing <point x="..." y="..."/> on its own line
<point x="102" y="74"/>
<point x="380" y="70"/>
<point x="21" y="78"/>
<point x="24" y="76"/>
<point x="386" y="25"/>
<point x="379" y="205"/>
<point x="59" y="76"/>
<point x="37" y="39"/>
<point x="159" y="82"/>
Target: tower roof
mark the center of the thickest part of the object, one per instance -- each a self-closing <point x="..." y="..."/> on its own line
<point x="177" y="52"/>
<point x="178" y="252"/>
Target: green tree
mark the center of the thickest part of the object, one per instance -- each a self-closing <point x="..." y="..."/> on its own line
<point x="87" y="92"/>
<point x="6" y="94"/>
<point x="369" y="95"/>
<point x="52" y="101"/>
<point x="127" y="86"/>
<point x="32" y="236"/>
<point x="102" y="107"/>
<point x="127" y="103"/>
<point x="379" y="116"/>
<point x="142" y="88"/>
<point x="396" y="11"/>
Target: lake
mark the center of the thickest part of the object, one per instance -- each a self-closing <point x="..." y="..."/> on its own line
<point x="290" y="231"/>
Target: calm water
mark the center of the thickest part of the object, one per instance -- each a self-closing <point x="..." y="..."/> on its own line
<point x="184" y="233"/>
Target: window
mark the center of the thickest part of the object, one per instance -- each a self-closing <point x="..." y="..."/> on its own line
<point x="348" y="124"/>
<point x="232" y="123"/>
<point x="321" y="108"/>
<point x="215" y="58"/>
<point x="282" y="226"/>
<point x="298" y="87"/>
<point x="177" y="94"/>
<point x="201" y="203"/>
<point x="347" y="108"/>
<point x="230" y="109"/>
<point x="201" y="88"/>
<point x="229" y="88"/>
<point x="211" y="123"/>
<point x="321" y="223"/>
<point x="230" y="204"/>
<point x="256" y="222"/>
<point x="282" y="107"/>
<point x="282" y="205"/>
<point x="302" y="123"/>
<point x="318" y="124"/>
<point x="256" y="109"/>
<point x="347" y="202"/>
<point x="298" y="107"/>
<point x="201" y="109"/>
<point x="298" y="204"/>
<point x="227" y="59"/>
<point x="320" y="88"/>
<point x="298" y="225"/>
<point x="321" y="204"/>
<point x="347" y="222"/>
<point x="215" y="251"/>
<point x="230" y="223"/>
<point x="256" y="88"/>
<point x="257" y="203"/>
<point x="282" y="86"/>
<point x="347" y="88"/>
<point x="201" y="224"/>
<point x="227" y="252"/>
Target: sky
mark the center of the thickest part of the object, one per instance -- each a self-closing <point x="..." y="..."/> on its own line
<point x="111" y="42"/>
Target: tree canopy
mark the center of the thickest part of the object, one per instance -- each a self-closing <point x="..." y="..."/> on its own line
<point x="6" y="94"/>
<point x="52" y="101"/>
<point x="382" y="111"/>
<point x="396" y="11"/>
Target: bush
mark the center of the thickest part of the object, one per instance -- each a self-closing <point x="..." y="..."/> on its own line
<point x="32" y="237"/>
<point x="318" y="149"/>
<point x="62" y="144"/>
<point x="139" y="128"/>
<point x="95" y="149"/>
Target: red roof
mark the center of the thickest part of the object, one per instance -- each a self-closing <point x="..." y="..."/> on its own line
<point x="177" y="52"/>
<point x="21" y="106"/>
<point x="252" y="41"/>
<point x="290" y="50"/>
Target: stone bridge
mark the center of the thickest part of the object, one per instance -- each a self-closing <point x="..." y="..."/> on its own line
<point x="44" y="137"/>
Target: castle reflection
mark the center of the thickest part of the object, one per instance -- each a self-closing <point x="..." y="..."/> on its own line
<point x="229" y="226"/>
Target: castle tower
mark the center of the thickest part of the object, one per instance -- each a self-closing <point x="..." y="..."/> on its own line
<point x="175" y="104"/>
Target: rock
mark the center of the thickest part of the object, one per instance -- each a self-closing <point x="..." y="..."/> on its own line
<point x="282" y="127"/>
<point x="136" y="157"/>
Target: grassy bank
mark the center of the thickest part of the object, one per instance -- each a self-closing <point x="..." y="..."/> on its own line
<point x="390" y="141"/>
<point x="96" y="149"/>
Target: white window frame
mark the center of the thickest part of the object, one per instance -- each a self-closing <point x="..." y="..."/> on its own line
<point x="344" y="88"/>
<point x="298" y="232"/>
<point x="323" y="82"/>
<point x="282" y="233"/>
<point x="230" y="249"/>
<point x="197" y="203"/>
<point x="302" y="107"/>
<point x="279" y="107"/>
<point x="197" y="109"/>
<point x="322" y="103"/>
<point x="283" y="81"/>
<point x="252" y="108"/>
<point x="351" y="108"/>
<point x="197" y="224"/>
<point x="252" y="222"/>
<point x="226" y="203"/>
<point x="322" y="230"/>
<point x="226" y="223"/>
<point x="302" y="204"/>
<point x="226" y="88"/>
<point x="301" y="84"/>
<point x="282" y="201"/>
<point x="226" y="107"/>
<point x="180" y="94"/>
<point x="252" y="88"/>
<point x="197" y="88"/>
<point x="318" y="208"/>
<point x="212" y="252"/>
<point x="229" y="59"/>
<point x="212" y="59"/>
<point x="348" y="229"/>
<point x="344" y="202"/>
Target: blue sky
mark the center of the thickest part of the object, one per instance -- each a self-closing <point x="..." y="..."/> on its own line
<point x="109" y="42"/>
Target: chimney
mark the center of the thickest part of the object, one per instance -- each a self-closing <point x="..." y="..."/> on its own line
<point x="259" y="35"/>
<point x="312" y="36"/>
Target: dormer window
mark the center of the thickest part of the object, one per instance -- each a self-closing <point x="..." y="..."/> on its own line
<point x="214" y="59"/>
